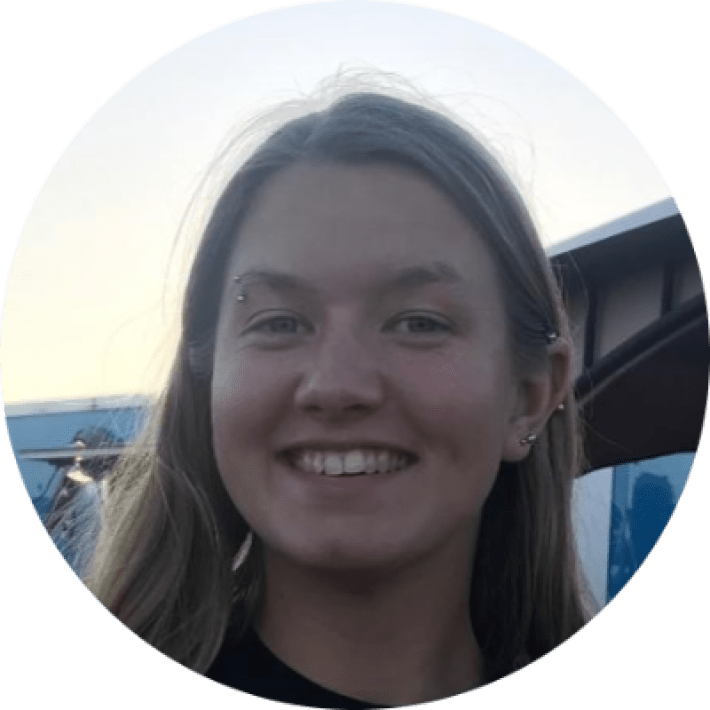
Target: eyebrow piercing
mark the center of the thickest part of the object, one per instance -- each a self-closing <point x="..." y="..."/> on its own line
<point x="242" y="296"/>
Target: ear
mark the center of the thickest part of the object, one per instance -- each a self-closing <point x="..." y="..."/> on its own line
<point x="539" y="395"/>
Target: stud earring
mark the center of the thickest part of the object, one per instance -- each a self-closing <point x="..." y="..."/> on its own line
<point x="528" y="440"/>
<point x="551" y="337"/>
<point x="561" y="407"/>
<point x="242" y="552"/>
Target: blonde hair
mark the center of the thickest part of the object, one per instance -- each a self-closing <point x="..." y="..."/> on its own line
<point x="163" y="560"/>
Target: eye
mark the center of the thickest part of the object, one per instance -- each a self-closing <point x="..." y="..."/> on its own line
<point x="279" y="325"/>
<point x="420" y="324"/>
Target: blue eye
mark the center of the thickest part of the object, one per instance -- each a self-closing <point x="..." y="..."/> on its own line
<point x="281" y="325"/>
<point x="278" y="325"/>
<point x="420" y="324"/>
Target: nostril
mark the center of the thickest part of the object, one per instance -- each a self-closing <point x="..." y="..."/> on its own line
<point x="359" y="407"/>
<point x="340" y="379"/>
<point x="317" y="397"/>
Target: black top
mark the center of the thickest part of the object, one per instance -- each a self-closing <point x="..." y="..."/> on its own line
<point x="250" y="666"/>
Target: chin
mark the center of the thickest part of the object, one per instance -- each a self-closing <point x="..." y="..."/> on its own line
<point x="350" y="552"/>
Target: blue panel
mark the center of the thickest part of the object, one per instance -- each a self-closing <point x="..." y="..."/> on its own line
<point x="75" y="521"/>
<point x="644" y="496"/>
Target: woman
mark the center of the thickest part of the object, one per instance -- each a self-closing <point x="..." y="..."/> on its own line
<point x="357" y="492"/>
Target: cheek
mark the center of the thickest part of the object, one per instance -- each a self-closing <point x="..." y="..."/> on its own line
<point x="457" y="394"/>
<point x="246" y="403"/>
<point x="460" y="415"/>
<point x="246" y="390"/>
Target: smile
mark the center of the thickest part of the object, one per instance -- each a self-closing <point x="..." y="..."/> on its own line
<point x="353" y="462"/>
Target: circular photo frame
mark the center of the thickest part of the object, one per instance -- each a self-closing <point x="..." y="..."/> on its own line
<point x="627" y="268"/>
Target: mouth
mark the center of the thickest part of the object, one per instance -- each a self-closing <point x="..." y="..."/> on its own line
<point x="358" y="461"/>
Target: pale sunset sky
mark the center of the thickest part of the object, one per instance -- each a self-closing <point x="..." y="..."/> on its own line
<point x="90" y="307"/>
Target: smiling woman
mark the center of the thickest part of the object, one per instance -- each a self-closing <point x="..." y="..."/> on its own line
<point x="357" y="490"/>
<point x="345" y="370"/>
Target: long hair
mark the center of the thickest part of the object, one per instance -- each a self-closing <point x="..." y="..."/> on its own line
<point x="162" y="563"/>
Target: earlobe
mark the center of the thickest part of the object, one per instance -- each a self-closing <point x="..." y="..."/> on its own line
<point x="539" y="397"/>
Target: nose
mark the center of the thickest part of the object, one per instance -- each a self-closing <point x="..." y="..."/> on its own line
<point x="342" y="382"/>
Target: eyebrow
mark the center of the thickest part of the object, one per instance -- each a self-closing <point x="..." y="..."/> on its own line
<point x="277" y="280"/>
<point x="404" y="279"/>
<point x="416" y="276"/>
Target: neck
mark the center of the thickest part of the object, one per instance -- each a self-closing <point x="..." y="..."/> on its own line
<point x="391" y="639"/>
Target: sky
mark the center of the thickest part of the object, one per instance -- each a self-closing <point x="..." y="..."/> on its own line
<point x="95" y="273"/>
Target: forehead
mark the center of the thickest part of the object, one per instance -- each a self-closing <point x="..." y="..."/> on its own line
<point x="342" y="222"/>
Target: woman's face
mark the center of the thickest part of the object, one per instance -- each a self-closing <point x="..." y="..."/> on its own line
<point x="363" y="395"/>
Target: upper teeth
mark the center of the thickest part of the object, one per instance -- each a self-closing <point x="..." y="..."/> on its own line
<point x="337" y="463"/>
